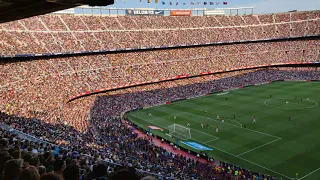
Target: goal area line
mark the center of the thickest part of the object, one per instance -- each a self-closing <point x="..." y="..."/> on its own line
<point x="255" y="148"/>
<point x="247" y="129"/>
<point x="215" y="137"/>
<point x="233" y="155"/>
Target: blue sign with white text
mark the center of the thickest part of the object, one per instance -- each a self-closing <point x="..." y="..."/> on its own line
<point x="145" y="12"/>
<point x="197" y="146"/>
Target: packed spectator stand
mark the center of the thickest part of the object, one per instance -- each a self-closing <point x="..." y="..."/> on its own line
<point x="56" y="33"/>
<point x="35" y="94"/>
<point x="23" y="83"/>
<point x="108" y="138"/>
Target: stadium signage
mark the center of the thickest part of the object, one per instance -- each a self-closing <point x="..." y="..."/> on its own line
<point x="145" y="12"/>
<point x="197" y="146"/>
<point x="213" y="12"/>
<point x="181" y="13"/>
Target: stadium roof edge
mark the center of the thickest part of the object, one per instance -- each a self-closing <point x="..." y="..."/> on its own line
<point x="233" y="8"/>
<point x="194" y="9"/>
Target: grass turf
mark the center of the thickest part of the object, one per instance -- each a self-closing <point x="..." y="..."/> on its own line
<point x="273" y="145"/>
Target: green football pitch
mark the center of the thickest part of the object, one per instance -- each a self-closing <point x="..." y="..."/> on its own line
<point x="273" y="145"/>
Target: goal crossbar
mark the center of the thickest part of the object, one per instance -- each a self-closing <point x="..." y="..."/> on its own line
<point x="179" y="131"/>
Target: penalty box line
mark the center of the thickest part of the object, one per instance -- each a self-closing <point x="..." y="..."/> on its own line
<point x="216" y="138"/>
<point x="250" y="162"/>
<point x="213" y="119"/>
<point x="258" y="147"/>
<point x="223" y="150"/>
<point x="309" y="173"/>
<point x="236" y="126"/>
<point x="182" y="112"/>
<point x="210" y="141"/>
<point x="277" y="138"/>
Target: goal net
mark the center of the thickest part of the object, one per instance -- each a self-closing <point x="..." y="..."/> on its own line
<point x="179" y="131"/>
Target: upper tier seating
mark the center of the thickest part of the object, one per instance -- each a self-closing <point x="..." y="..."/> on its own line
<point x="65" y="33"/>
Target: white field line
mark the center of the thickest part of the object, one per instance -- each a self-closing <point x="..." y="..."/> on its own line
<point x="289" y="102"/>
<point x="181" y="112"/>
<point x="258" y="147"/>
<point x="216" y="138"/>
<point x="237" y="126"/>
<point x="225" y="151"/>
<point x="210" y="141"/>
<point x="278" y="138"/>
<point x="220" y="94"/>
<point x="235" y="122"/>
<point x="309" y="173"/>
<point x="156" y="117"/>
<point x="238" y="156"/>
<point x="196" y="130"/>
<point x="280" y="107"/>
<point x="250" y="162"/>
<point x="212" y="119"/>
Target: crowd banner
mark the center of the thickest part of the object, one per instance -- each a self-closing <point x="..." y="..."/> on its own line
<point x="180" y="13"/>
<point x="145" y="12"/>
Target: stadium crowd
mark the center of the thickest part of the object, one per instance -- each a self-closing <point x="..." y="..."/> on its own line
<point x="106" y="138"/>
<point x="37" y="88"/>
<point x="56" y="33"/>
<point x="86" y="138"/>
<point x="113" y="105"/>
<point x="24" y="159"/>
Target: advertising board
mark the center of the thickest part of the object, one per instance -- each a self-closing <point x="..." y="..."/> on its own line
<point x="181" y="13"/>
<point x="213" y="12"/>
<point x="144" y="12"/>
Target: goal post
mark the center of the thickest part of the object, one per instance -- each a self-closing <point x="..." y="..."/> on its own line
<point x="179" y="131"/>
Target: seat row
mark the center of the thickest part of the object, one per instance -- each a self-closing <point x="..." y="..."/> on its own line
<point x="75" y="33"/>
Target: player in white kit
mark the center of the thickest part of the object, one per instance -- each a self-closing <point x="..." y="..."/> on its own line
<point x="254" y="120"/>
<point x="217" y="129"/>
